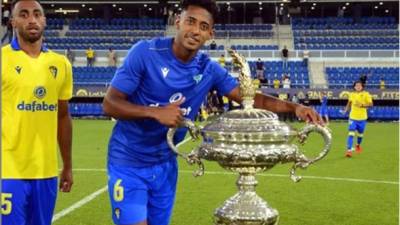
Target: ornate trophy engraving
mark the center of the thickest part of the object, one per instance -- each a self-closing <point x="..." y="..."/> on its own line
<point x="249" y="141"/>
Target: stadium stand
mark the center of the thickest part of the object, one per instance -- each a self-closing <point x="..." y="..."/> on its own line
<point x="296" y="70"/>
<point x="119" y="33"/>
<point x="94" y="42"/>
<point x="93" y="75"/>
<point x="244" y="47"/>
<point x="261" y="31"/>
<point x="343" y="77"/>
<point x="86" y="109"/>
<point x="54" y="24"/>
<point x="383" y="113"/>
<point x="376" y="112"/>
<point x="253" y="40"/>
<point x="345" y="33"/>
<point x="117" y="24"/>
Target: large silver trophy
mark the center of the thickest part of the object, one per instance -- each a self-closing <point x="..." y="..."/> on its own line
<point x="249" y="141"/>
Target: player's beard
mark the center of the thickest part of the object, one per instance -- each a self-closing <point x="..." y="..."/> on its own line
<point x="192" y="43"/>
<point x="31" y="38"/>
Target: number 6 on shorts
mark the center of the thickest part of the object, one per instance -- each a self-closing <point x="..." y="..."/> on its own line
<point x="118" y="191"/>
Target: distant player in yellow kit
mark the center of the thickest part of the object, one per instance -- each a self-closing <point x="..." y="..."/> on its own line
<point x="36" y="87"/>
<point x="358" y="103"/>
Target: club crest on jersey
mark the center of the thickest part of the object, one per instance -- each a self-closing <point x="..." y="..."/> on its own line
<point x="39" y="92"/>
<point x="53" y="71"/>
<point x="117" y="212"/>
<point x="164" y="71"/>
<point x="18" y="69"/>
<point x="198" y="78"/>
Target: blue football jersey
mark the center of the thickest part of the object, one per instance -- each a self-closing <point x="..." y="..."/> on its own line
<point x="151" y="75"/>
<point x="324" y="102"/>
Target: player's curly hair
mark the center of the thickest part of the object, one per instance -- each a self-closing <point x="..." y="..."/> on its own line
<point x="360" y="81"/>
<point x="209" y="5"/>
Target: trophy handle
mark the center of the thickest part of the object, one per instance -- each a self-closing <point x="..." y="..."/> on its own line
<point x="301" y="160"/>
<point x="192" y="157"/>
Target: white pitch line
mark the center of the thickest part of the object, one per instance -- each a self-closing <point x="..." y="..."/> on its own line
<point x="271" y="175"/>
<point x="183" y="142"/>
<point x="306" y="177"/>
<point x="92" y="196"/>
<point x="79" y="204"/>
<point x="99" y="170"/>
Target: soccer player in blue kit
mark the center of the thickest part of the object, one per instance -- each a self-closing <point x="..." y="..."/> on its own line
<point x="324" y="107"/>
<point x="161" y="82"/>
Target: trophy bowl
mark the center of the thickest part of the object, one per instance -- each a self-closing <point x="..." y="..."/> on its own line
<point x="249" y="141"/>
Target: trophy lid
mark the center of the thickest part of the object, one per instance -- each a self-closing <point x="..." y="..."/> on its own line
<point x="249" y="125"/>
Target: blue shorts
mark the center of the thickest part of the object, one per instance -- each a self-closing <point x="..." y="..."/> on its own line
<point x="323" y="111"/>
<point x="357" y="125"/>
<point x="28" y="202"/>
<point x="142" y="193"/>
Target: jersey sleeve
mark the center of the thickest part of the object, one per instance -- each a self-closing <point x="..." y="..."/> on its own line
<point x="128" y="76"/>
<point x="351" y="96"/>
<point x="67" y="86"/>
<point x="224" y="83"/>
<point x="368" y="98"/>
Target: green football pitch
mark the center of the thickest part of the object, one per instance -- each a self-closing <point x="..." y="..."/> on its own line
<point x="361" y="190"/>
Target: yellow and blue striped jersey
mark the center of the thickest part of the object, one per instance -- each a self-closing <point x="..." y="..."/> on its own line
<point x="31" y="88"/>
<point x="359" y="98"/>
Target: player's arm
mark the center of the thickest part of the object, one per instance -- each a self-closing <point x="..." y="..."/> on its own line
<point x="116" y="104"/>
<point x="368" y="102"/>
<point x="348" y="106"/>
<point x="64" y="135"/>
<point x="279" y="106"/>
<point x="366" y="105"/>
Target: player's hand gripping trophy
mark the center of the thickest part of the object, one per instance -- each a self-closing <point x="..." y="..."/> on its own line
<point x="249" y="141"/>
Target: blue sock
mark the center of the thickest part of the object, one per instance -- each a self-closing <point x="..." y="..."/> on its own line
<point x="350" y="140"/>
<point x="359" y="139"/>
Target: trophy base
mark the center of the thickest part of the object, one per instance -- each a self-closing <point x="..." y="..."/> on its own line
<point x="246" y="208"/>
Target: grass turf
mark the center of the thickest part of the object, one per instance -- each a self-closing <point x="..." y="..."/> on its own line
<point x="334" y="191"/>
